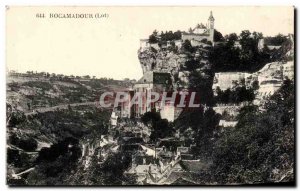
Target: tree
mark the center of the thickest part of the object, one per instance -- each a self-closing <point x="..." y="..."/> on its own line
<point x="109" y="172"/>
<point x="199" y="125"/>
<point x="161" y="127"/>
<point x="152" y="39"/>
<point x="16" y="118"/>
<point x="201" y="83"/>
<point x="260" y="148"/>
<point x="177" y="35"/>
<point x="218" y="36"/>
<point x="187" y="46"/>
<point x="278" y="40"/>
<point x="29" y="144"/>
<point x="150" y="117"/>
<point x="231" y="37"/>
<point x="238" y="95"/>
<point x="68" y="146"/>
<point x="226" y="57"/>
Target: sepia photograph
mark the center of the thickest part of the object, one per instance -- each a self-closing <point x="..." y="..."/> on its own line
<point x="150" y="96"/>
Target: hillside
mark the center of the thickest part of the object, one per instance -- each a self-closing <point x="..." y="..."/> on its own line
<point x="44" y="113"/>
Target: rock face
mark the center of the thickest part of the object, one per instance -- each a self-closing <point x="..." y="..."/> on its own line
<point x="164" y="61"/>
<point x="176" y="61"/>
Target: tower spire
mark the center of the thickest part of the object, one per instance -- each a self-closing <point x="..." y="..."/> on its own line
<point x="211" y="21"/>
<point x="211" y="17"/>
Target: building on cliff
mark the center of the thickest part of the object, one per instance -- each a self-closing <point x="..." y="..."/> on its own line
<point x="165" y="70"/>
<point x="144" y="44"/>
<point x="195" y="35"/>
<point x="150" y="82"/>
<point x="225" y="80"/>
<point x="158" y="82"/>
<point x="201" y="31"/>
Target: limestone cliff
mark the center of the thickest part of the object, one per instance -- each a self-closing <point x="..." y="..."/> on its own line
<point x="178" y="61"/>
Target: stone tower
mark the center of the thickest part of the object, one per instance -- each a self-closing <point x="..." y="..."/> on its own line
<point x="211" y="21"/>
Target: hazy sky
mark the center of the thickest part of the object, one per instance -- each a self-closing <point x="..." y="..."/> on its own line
<point x="108" y="47"/>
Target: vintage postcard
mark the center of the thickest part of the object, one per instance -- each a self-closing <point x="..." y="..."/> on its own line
<point x="119" y="96"/>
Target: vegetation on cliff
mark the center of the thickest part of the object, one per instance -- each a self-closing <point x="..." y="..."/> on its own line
<point x="261" y="147"/>
<point x="241" y="53"/>
<point x="238" y="95"/>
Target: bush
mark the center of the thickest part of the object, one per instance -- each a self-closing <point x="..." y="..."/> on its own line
<point x="278" y="40"/>
<point x="28" y="144"/>
<point x="16" y="118"/>
<point x="238" y="95"/>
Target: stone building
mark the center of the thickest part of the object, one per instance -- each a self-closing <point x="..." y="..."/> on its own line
<point x="144" y="44"/>
<point x="195" y="35"/>
<point x="201" y="31"/>
<point x="151" y="82"/>
<point x="225" y="80"/>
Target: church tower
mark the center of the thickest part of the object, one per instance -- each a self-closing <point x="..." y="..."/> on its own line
<point x="211" y="21"/>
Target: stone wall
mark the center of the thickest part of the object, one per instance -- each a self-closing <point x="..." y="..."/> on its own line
<point x="225" y="80"/>
<point x="196" y="37"/>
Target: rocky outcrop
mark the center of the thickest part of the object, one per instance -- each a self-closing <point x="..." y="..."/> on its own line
<point x="178" y="62"/>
